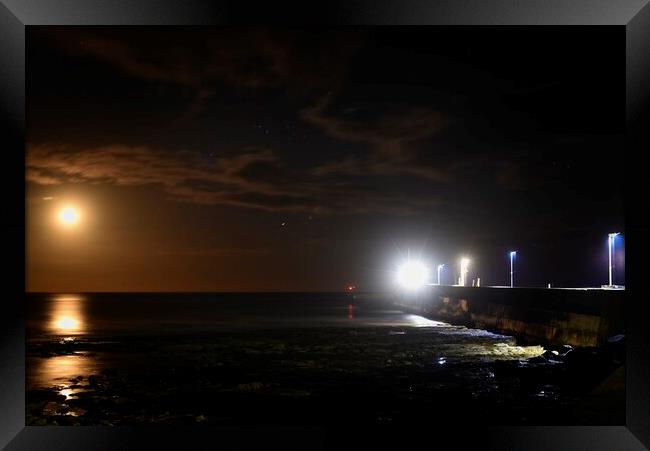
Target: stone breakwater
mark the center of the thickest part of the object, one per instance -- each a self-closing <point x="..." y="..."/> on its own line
<point x="547" y="316"/>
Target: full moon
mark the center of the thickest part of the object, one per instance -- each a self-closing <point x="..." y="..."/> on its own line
<point x="69" y="216"/>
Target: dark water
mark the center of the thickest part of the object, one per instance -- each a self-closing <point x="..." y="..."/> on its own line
<point x="305" y="358"/>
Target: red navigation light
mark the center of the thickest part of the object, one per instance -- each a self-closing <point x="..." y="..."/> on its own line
<point x="351" y="288"/>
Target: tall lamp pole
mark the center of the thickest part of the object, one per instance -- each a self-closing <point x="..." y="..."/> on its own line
<point x="612" y="237"/>
<point x="512" y="267"/>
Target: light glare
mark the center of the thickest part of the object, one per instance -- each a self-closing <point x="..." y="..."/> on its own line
<point x="464" y="265"/>
<point x="69" y="216"/>
<point x="67" y="323"/>
<point x="412" y="275"/>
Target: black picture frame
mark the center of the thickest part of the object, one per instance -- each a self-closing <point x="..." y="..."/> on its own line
<point x="16" y="15"/>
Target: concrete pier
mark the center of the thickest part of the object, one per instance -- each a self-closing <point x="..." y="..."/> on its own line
<point x="578" y="317"/>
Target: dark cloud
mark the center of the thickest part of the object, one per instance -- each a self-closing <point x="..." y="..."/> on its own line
<point x="392" y="133"/>
<point x="182" y="174"/>
<point x="253" y="179"/>
<point x="243" y="58"/>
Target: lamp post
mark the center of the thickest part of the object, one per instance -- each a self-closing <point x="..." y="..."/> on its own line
<point x="512" y="267"/>
<point x="440" y="269"/>
<point x="612" y="237"/>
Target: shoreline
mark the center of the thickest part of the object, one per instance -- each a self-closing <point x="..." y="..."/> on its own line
<point x="307" y="376"/>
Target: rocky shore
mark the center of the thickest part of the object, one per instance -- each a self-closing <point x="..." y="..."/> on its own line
<point x="325" y="375"/>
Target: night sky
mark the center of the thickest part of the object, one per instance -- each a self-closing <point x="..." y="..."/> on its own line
<point x="233" y="159"/>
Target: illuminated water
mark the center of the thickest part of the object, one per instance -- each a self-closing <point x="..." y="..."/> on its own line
<point x="203" y="351"/>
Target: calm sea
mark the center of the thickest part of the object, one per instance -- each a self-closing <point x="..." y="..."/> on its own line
<point x="98" y="317"/>
<point x="102" y="314"/>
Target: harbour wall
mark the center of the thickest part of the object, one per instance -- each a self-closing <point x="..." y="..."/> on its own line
<point x="578" y="317"/>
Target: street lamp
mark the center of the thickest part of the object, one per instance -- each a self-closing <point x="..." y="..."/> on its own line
<point x="440" y="269"/>
<point x="512" y="267"/>
<point x="612" y="238"/>
<point x="464" y="264"/>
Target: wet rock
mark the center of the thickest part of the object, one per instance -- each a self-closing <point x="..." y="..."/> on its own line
<point x="93" y="381"/>
<point x="582" y="356"/>
<point x="565" y="350"/>
<point x="616" y="338"/>
<point x="39" y="396"/>
<point x="552" y="356"/>
<point x="54" y="408"/>
<point x="250" y="387"/>
<point x="538" y="360"/>
<point x="295" y="393"/>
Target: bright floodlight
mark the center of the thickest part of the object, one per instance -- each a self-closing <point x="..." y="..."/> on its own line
<point x="464" y="265"/>
<point x="69" y="216"/>
<point x="412" y="275"/>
